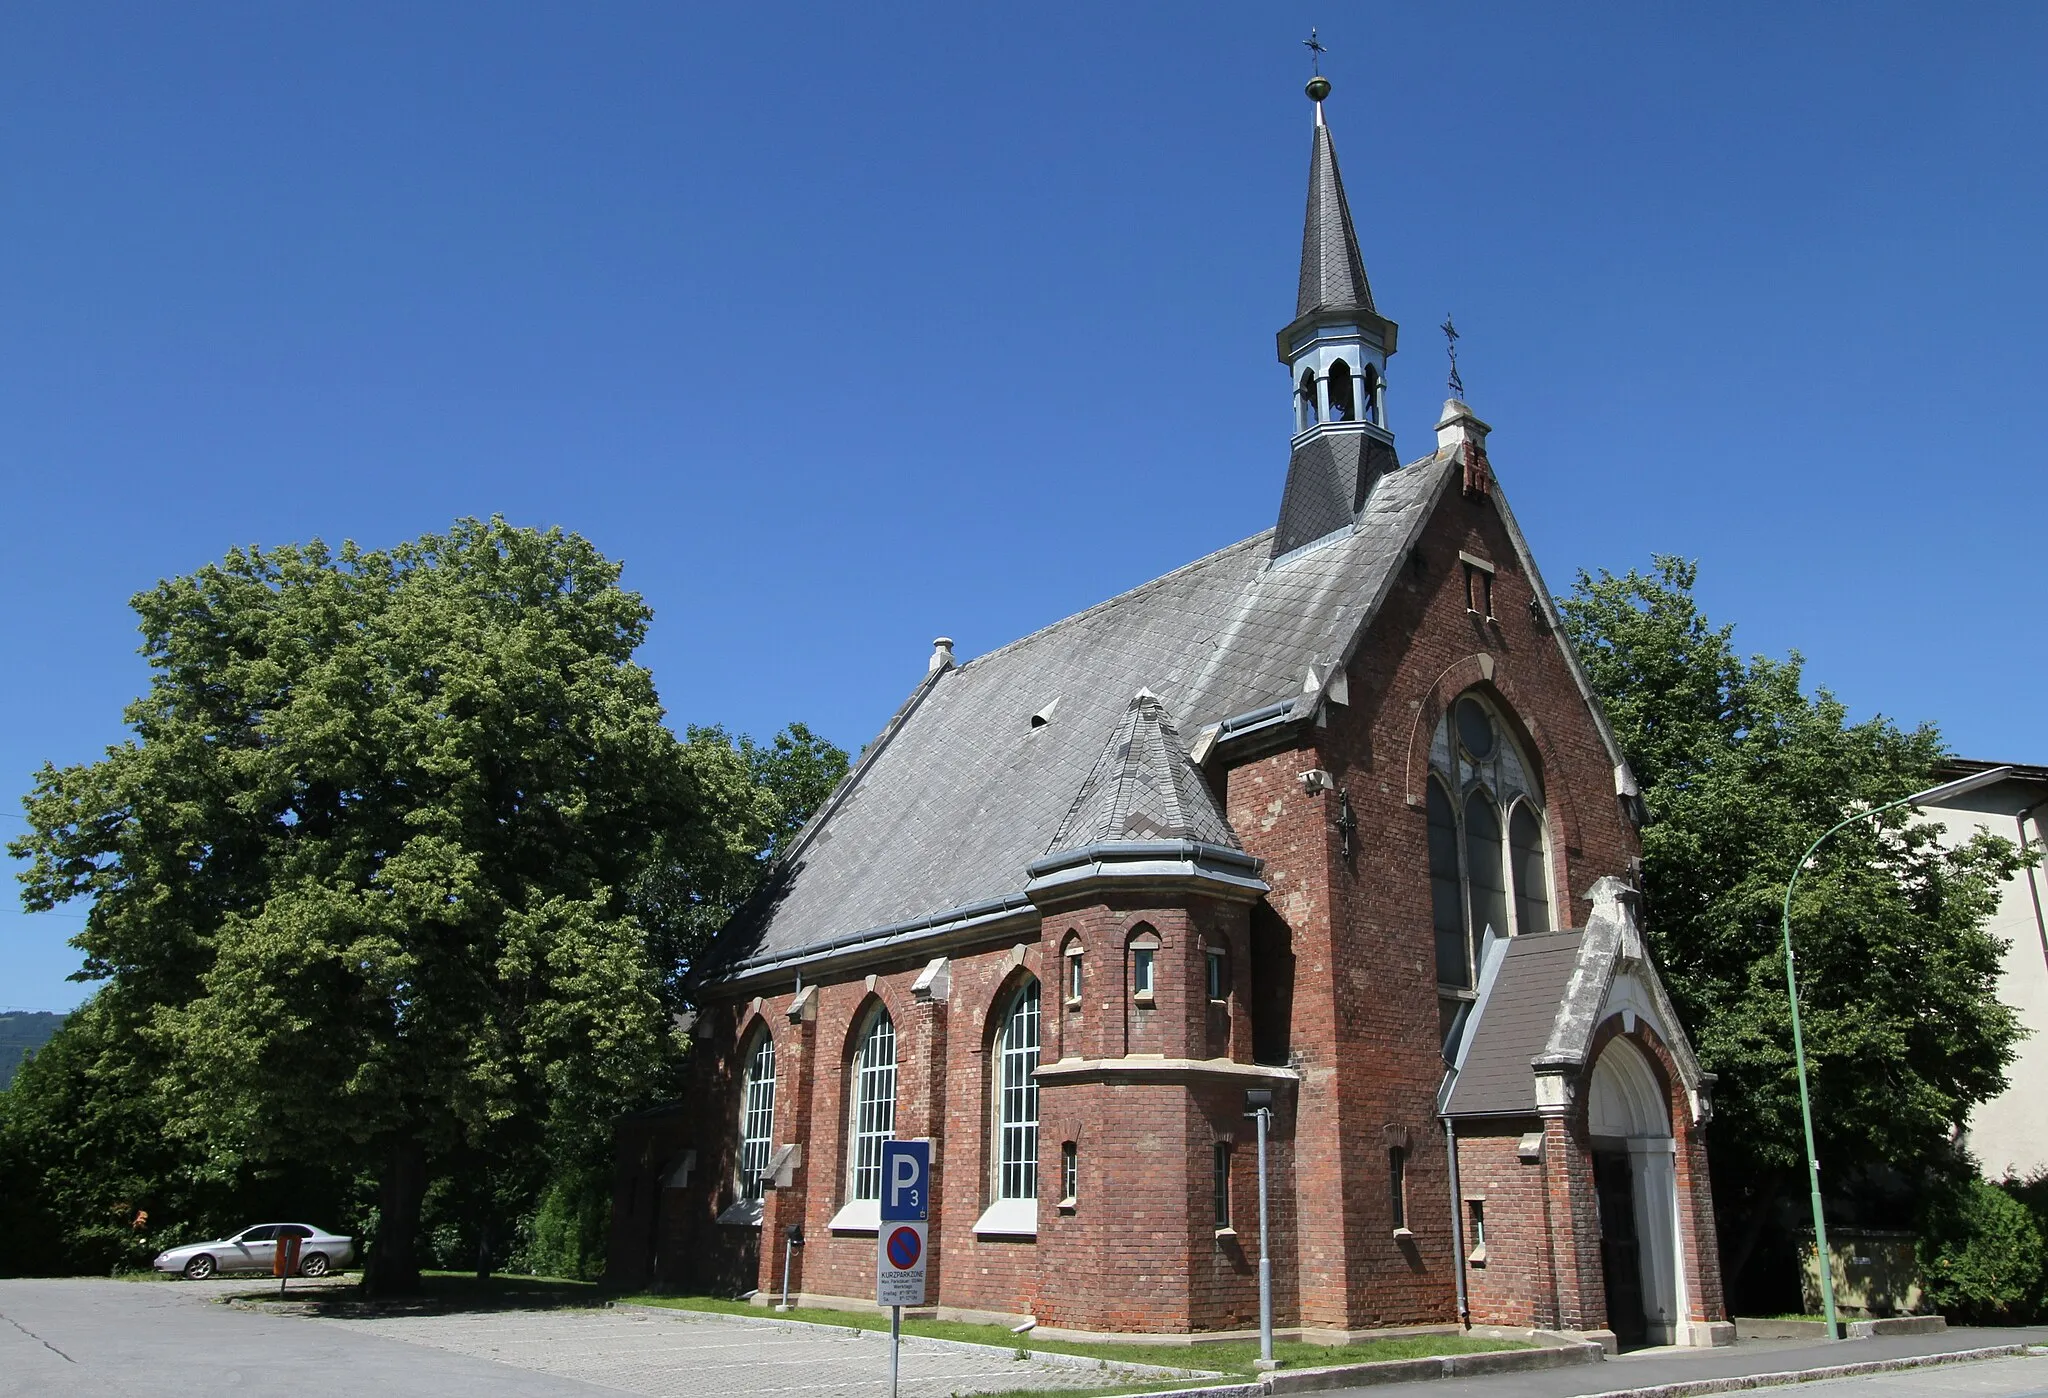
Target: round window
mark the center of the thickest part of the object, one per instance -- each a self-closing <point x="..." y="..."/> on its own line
<point x="1475" y="728"/>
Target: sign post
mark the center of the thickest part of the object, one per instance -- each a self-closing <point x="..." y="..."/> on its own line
<point x="286" y="1262"/>
<point x="900" y="1241"/>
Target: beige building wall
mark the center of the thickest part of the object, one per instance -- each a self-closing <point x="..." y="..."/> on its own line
<point x="2009" y="1134"/>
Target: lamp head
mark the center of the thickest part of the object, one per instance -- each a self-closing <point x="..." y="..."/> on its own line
<point x="1976" y="781"/>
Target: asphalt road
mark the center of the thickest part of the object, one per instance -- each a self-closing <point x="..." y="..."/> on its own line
<point x="1646" y="1369"/>
<point x="144" y="1339"/>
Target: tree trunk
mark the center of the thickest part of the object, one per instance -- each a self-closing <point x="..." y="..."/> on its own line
<point x="394" y="1266"/>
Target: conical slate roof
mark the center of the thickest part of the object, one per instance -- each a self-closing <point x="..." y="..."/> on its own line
<point x="1332" y="273"/>
<point x="1144" y="787"/>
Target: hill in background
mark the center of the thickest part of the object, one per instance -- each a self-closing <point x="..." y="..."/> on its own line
<point x="21" y="1033"/>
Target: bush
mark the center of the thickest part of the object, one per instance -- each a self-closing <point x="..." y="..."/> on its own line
<point x="566" y="1235"/>
<point x="1981" y="1251"/>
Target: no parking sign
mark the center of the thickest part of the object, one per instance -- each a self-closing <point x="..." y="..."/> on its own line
<point x="906" y="1205"/>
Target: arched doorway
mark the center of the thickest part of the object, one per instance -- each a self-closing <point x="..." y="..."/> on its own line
<point x="1629" y="1122"/>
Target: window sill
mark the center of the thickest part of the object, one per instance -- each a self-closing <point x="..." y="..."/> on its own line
<point x="1223" y="1233"/>
<point x="1404" y="1234"/>
<point x="1066" y="1205"/>
<point x="1074" y="1004"/>
<point x="859" y="1216"/>
<point x="1478" y="1258"/>
<point x="1008" y="1218"/>
<point x="1143" y="998"/>
<point x="743" y="1213"/>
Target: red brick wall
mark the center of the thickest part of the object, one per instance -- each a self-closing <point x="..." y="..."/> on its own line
<point x="1514" y="1286"/>
<point x="1140" y="1250"/>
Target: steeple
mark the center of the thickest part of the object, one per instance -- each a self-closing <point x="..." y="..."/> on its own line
<point x="1332" y="272"/>
<point x="1336" y="350"/>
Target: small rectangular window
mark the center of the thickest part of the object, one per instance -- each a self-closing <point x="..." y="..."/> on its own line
<point x="1218" y="990"/>
<point x="1397" y="1184"/>
<point x="1477" y="1242"/>
<point x="1220" y="1182"/>
<point x="1073" y="977"/>
<point x="1141" y="970"/>
<point x="1070" y="1172"/>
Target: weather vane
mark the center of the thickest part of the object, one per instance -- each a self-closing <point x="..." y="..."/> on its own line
<point x="1316" y="51"/>
<point x="1457" y="385"/>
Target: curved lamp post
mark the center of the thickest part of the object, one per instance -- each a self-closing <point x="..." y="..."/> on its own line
<point x="1820" y="1227"/>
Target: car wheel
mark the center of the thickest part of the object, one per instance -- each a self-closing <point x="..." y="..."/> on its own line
<point x="199" y="1268"/>
<point x="314" y="1264"/>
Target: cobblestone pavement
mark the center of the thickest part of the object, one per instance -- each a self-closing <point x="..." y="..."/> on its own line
<point x="663" y="1352"/>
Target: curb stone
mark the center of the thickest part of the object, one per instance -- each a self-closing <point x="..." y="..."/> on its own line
<point x="1384" y="1371"/>
<point x="1683" y="1388"/>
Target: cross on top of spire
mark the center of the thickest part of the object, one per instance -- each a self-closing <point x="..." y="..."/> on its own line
<point x="1316" y="51"/>
<point x="1456" y="384"/>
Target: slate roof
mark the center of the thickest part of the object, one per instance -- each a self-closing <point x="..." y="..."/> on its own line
<point x="1144" y="787"/>
<point x="1329" y="475"/>
<point x="1332" y="272"/>
<point x="1512" y="1025"/>
<point x="948" y="807"/>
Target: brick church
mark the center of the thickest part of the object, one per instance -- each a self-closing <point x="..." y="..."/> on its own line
<point x="1331" y="814"/>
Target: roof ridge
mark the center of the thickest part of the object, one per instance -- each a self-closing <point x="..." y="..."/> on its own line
<point x="1124" y="596"/>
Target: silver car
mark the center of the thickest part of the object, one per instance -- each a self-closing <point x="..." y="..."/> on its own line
<point x="255" y="1250"/>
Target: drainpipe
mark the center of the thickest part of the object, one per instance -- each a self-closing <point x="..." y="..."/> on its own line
<point x="2040" y="923"/>
<point x="1457" y="1223"/>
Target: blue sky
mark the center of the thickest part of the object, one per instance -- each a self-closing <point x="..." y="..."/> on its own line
<point x="849" y="326"/>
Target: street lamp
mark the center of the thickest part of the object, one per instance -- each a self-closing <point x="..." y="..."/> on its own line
<point x="1820" y="1227"/>
<point x="1258" y="1104"/>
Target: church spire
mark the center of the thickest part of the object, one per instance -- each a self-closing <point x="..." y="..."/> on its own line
<point x="1332" y="272"/>
<point x="1336" y="350"/>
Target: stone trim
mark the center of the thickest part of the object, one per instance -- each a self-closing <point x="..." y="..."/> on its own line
<point x="1150" y="1069"/>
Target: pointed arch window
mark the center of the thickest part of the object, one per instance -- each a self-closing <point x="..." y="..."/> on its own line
<point x="1369" y="394"/>
<point x="1305" y="411"/>
<point x="1532" y="879"/>
<point x="1488" y="890"/>
<point x="757" y="1114"/>
<point x="1016" y="1114"/>
<point x="874" y="1103"/>
<point x="1446" y="889"/>
<point x="1489" y="863"/>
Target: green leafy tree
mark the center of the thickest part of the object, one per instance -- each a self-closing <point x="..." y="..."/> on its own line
<point x="368" y="879"/>
<point x="1740" y="770"/>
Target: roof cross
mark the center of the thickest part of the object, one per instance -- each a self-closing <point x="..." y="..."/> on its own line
<point x="1316" y="51"/>
<point x="1457" y="385"/>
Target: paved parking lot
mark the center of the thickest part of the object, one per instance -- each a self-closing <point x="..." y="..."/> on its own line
<point x="152" y="1339"/>
<point x="672" y="1352"/>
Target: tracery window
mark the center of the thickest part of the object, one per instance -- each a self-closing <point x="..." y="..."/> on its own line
<point x="874" y="1098"/>
<point x="1016" y="1114"/>
<point x="757" y="1114"/>
<point x="1489" y="866"/>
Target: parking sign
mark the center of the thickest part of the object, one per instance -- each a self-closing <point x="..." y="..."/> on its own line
<point x="906" y="1206"/>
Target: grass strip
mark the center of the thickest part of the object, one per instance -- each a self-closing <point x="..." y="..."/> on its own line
<point x="1232" y="1357"/>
